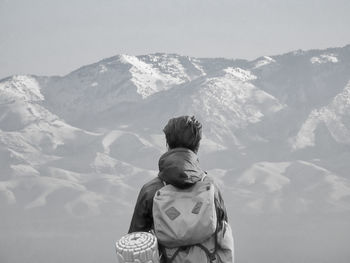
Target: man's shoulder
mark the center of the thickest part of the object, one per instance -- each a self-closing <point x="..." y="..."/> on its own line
<point x="152" y="186"/>
<point x="156" y="181"/>
<point x="211" y="179"/>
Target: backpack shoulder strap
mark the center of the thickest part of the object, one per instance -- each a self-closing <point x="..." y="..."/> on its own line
<point x="211" y="255"/>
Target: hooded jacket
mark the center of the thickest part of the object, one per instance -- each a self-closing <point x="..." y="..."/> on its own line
<point x="180" y="168"/>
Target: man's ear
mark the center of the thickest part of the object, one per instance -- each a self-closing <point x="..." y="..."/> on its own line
<point x="167" y="146"/>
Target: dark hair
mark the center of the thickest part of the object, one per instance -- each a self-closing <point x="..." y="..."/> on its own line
<point x="183" y="131"/>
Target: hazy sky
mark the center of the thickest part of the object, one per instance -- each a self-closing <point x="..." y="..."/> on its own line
<point x="54" y="37"/>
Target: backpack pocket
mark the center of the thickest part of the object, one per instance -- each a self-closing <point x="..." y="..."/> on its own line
<point x="184" y="216"/>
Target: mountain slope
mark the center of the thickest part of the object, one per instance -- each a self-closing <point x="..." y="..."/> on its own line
<point x="75" y="149"/>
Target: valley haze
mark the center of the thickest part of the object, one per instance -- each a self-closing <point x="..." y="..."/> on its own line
<point x="75" y="150"/>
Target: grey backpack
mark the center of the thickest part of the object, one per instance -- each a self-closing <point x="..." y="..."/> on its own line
<point x="185" y="222"/>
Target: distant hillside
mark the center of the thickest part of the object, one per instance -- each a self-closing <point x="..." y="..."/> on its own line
<point x="276" y="137"/>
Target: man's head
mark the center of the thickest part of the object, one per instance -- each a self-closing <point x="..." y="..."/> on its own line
<point x="183" y="131"/>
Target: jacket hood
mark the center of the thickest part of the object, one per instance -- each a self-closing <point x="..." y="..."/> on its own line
<point x="180" y="168"/>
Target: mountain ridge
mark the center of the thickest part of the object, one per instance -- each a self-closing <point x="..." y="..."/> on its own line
<point x="75" y="149"/>
<point x="124" y="93"/>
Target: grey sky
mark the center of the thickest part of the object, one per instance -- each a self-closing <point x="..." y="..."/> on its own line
<point x="47" y="37"/>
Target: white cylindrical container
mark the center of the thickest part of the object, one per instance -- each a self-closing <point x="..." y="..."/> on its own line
<point x="138" y="247"/>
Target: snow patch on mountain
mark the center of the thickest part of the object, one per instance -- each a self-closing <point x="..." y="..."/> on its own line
<point x="143" y="76"/>
<point x="240" y="74"/>
<point x="103" y="69"/>
<point x="150" y="80"/>
<point x="7" y="196"/>
<point x="340" y="187"/>
<point x="210" y="146"/>
<point x="112" y="136"/>
<point x="335" y="116"/>
<point x="267" y="174"/>
<point x="20" y="87"/>
<point x="263" y="61"/>
<point x="324" y="58"/>
<point x="63" y="174"/>
<point x="24" y="170"/>
<point x="171" y="66"/>
<point x="196" y="64"/>
<point x="233" y="95"/>
<point x="20" y="150"/>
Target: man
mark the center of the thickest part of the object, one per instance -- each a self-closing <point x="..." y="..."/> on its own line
<point x="180" y="168"/>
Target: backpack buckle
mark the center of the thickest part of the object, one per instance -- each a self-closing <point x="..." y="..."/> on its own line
<point x="212" y="257"/>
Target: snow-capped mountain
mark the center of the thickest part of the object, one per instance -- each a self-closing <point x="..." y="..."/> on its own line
<point x="76" y="148"/>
